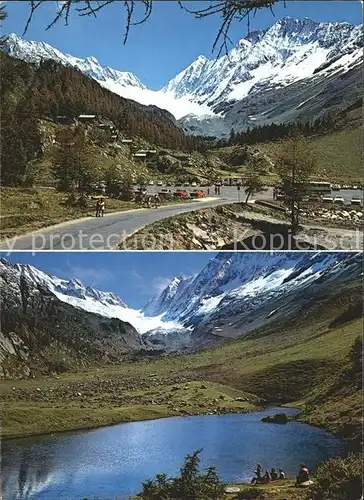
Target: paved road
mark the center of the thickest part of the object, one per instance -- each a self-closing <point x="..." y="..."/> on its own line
<point x="105" y="233"/>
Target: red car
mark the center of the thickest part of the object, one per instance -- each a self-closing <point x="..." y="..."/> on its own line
<point x="181" y="193"/>
<point x="197" y="193"/>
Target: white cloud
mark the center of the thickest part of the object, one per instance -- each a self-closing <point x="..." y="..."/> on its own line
<point x="149" y="287"/>
<point x="159" y="283"/>
<point x="89" y="276"/>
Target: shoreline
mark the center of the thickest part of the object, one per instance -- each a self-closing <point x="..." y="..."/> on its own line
<point x="141" y="419"/>
<point x="182" y="415"/>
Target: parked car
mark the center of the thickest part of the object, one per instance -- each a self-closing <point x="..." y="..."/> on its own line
<point x="181" y="193"/>
<point x="166" y="194"/>
<point x="339" y="200"/>
<point x="127" y="194"/>
<point x="159" y="183"/>
<point x="197" y="193"/>
<point x="335" y="187"/>
<point x="186" y="184"/>
<point x="151" y="183"/>
<point x="280" y="196"/>
<point x="141" y="190"/>
<point x="356" y="201"/>
<point x="194" y="184"/>
<point x="327" y="199"/>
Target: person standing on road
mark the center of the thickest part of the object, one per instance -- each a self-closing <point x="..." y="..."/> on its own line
<point x="157" y="201"/>
<point x="101" y="207"/>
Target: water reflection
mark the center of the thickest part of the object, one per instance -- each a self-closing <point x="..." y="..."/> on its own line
<point x="112" y="462"/>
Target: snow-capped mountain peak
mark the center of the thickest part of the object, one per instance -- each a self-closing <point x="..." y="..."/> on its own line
<point x="161" y="301"/>
<point x="288" y="37"/>
<point x="266" y="78"/>
<point x="233" y="294"/>
<point x="247" y="280"/>
<point x="35" y="52"/>
<point x="107" y="304"/>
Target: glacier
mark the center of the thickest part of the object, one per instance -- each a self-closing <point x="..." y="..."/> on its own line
<point x="105" y="304"/>
<point x="240" y="290"/>
<point x="289" y="52"/>
<point x="232" y="282"/>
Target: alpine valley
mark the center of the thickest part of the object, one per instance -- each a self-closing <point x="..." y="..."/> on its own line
<point x="50" y="324"/>
<point x="295" y="70"/>
<point x="248" y="331"/>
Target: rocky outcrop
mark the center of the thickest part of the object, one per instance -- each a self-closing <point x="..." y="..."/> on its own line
<point x="258" y="226"/>
<point x="278" y="418"/>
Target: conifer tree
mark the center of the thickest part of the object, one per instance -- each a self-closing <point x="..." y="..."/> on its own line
<point x="294" y="164"/>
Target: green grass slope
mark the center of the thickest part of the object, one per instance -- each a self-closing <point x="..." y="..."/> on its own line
<point x="339" y="155"/>
<point x="296" y="363"/>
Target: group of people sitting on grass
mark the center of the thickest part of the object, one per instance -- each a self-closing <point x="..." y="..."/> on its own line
<point x="303" y="475"/>
<point x="267" y="477"/>
<point x="274" y="475"/>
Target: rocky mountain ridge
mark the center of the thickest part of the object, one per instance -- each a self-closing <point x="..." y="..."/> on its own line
<point x="42" y="334"/>
<point x="298" y="69"/>
<point x="238" y="293"/>
<point x="49" y="322"/>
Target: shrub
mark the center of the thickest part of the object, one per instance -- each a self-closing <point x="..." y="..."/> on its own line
<point x="82" y="202"/>
<point x="191" y="483"/>
<point x="339" y="479"/>
<point x="71" y="199"/>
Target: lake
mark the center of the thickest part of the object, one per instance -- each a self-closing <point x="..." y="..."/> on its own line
<point x="111" y="462"/>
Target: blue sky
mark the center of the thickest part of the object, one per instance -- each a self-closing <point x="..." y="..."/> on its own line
<point x="134" y="276"/>
<point x="167" y="43"/>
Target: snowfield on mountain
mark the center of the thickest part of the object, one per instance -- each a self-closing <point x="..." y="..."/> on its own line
<point x="231" y="296"/>
<point x="246" y="280"/>
<point x="73" y="292"/>
<point x="296" y="69"/>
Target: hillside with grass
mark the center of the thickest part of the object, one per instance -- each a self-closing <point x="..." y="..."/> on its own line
<point x="40" y="103"/>
<point x="336" y="142"/>
<point x="306" y="362"/>
<point x="338" y="155"/>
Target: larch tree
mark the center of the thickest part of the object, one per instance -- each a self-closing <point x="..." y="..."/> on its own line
<point x="253" y="183"/>
<point x="295" y="163"/>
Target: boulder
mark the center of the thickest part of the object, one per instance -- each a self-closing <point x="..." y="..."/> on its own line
<point x="232" y="489"/>
<point x="278" y="418"/>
